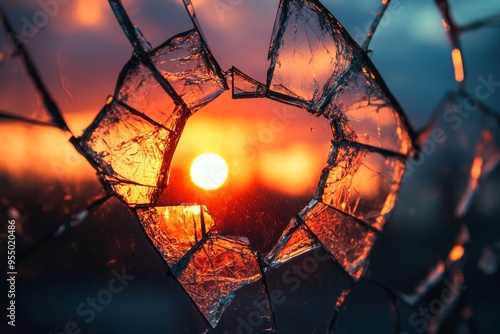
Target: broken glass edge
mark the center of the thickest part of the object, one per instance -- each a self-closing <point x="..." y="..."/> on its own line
<point x="263" y="279"/>
<point x="375" y="23"/>
<point x="20" y="51"/>
<point x="369" y="148"/>
<point x="270" y="258"/>
<point x="305" y="216"/>
<point x="178" y="266"/>
<point x="437" y="273"/>
<point x="109" y="180"/>
<point x="146" y="60"/>
<point x="304" y="212"/>
<point x="246" y="95"/>
<point x="208" y="56"/>
<point x="281" y="21"/>
<point x="134" y="38"/>
<point x="387" y="95"/>
<point x="177" y="272"/>
<point x="68" y="222"/>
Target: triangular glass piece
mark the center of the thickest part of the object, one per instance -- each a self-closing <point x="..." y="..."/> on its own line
<point x="246" y="87"/>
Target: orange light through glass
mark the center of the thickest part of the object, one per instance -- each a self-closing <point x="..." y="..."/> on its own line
<point x="209" y="171"/>
<point x="456" y="253"/>
<point x="457" y="64"/>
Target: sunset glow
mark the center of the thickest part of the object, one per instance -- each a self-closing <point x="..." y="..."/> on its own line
<point x="89" y="12"/>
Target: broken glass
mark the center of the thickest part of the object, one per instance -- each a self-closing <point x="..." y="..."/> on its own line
<point x="344" y="185"/>
<point x="244" y="86"/>
<point x="346" y="238"/>
<point x="36" y="104"/>
<point x="215" y="271"/>
<point x="132" y="141"/>
<point x="129" y="151"/>
<point x="296" y="240"/>
<point x="174" y="230"/>
<point x="316" y="66"/>
<point x="309" y="53"/>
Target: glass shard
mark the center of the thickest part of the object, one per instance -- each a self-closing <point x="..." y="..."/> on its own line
<point x="131" y="153"/>
<point x="348" y="240"/>
<point x="309" y="52"/>
<point x="365" y="113"/>
<point x="295" y="240"/>
<point x="220" y="267"/>
<point x="174" y="230"/>
<point x="246" y="87"/>
<point x="138" y="88"/>
<point x="487" y="157"/>
<point x="186" y="63"/>
<point x="361" y="182"/>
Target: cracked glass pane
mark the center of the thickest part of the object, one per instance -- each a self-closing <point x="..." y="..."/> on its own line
<point x="174" y="230"/>
<point x="186" y="63"/>
<point x="364" y="113"/>
<point x="345" y="186"/>
<point x="296" y="240"/>
<point x="346" y="238"/>
<point x="309" y="52"/>
<point x="130" y="152"/>
<point x="139" y="89"/>
<point x="219" y="267"/>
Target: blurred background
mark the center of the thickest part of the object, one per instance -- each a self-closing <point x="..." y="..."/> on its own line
<point x="79" y="50"/>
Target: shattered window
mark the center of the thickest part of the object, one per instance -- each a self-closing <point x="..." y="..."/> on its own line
<point x="289" y="166"/>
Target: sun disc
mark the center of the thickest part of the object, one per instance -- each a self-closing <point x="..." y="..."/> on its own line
<point x="209" y="171"/>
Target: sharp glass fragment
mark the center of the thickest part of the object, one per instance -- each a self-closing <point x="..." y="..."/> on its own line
<point x="346" y="238"/>
<point x="220" y="267"/>
<point x="174" y="230"/>
<point x="344" y="184"/>
<point x="296" y="240"/>
<point x="246" y="87"/>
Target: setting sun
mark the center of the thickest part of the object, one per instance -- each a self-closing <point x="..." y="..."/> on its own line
<point x="209" y="171"/>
